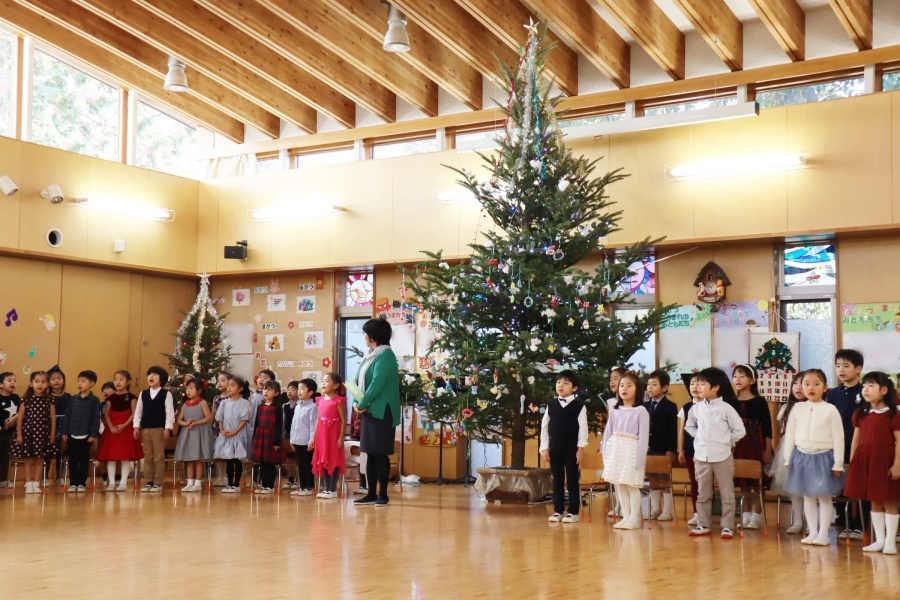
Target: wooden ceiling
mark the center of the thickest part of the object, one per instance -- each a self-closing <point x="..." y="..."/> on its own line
<point x="261" y="62"/>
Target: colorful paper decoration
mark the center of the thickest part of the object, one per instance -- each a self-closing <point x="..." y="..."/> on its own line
<point x="11" y="316"/>
<point x="306" y="305"/>
<point x="32" y="352"/>
<point x="240" y="297"/>
<point x="314" y="340"/>
<point x="49" y="321"/>
<point x="326" y="362"/>
<point x="275" y="343"/>
<point x="276" y="302"/>
<point x="273" y="286"/>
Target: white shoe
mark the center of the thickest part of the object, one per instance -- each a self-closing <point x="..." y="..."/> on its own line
<point x="745" y="520"/>
<point x="303" y="492"/>
<point x="81" y="488"/>
<point x="187" y="487"/>
<point x="555" y="518"/>
<point x="361" y="490"/>
<point x="753" y="522"/>
<point x="72" y="489"/>
<point x="198" y="486"/>
<point x="694" y="520"/>
<point x="295" y="486"/>
<point x="146" y="488"/>
<point x="570" y="518"/>
<point x="111" y="487"/>
<point x="267" y="490"/>
<point x="327" y="495"/>
<point x="795" y="528"/>
<point x="28" y="488"/>
<point x="122" y="486"/>
<point x="877" y="546"/>
<point x="36" y="488"/>
<point x="664" y="517"/>
<point x="632" y="524"/>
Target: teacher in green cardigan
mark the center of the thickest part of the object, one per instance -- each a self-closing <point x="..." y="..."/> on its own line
<point x="379" y="380"/>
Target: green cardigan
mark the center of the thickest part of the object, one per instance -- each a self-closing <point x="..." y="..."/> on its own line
<point x="383" y="387"/>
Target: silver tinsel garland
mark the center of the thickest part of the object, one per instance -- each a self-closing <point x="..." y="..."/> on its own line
<point x="202" y="306"/>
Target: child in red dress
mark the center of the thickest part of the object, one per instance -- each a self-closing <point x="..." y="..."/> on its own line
<point x="267" y="430"/>
<point x="874" y="472"/>
<point x="117" y="442"/>
<point x="329" y="460"/>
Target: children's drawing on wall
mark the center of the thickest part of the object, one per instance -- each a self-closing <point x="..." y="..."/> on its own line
<point x="240" y="297"/>
<point x="874" y="330"/>
<point x="314" y="375"/>
<point x="776" y="357"/>
<point x="314" y="340"/>
<point x="306" y="305"/>
<point x="275" y="343"/>
<point x="276" y="302"/>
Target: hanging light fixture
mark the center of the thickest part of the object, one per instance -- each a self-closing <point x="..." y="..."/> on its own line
<point x="176" y="80"/>
<point x="396" y="39"/>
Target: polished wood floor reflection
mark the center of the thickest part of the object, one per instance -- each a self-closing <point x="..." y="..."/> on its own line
<point x="431" y="542"/>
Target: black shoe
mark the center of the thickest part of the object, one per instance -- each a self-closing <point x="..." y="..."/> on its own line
<point x="365" y="501"/>
<point x="381" y="502"/>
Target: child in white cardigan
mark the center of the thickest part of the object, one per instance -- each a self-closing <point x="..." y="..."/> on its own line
<point x="814" y="456"/>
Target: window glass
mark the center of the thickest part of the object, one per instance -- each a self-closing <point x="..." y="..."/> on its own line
<point x="321" y="159"/>
<point x="591" y="120"/>
<point x="7" y="83"/>
<point x="842" y="88"/>
<point x="164" y="143"/>
<point x="809" y="265"/>
<point x="405" y="148"/>
<point x="890" y="81"/>
<point x="72" y="110"/>
<point x="268" y="165"/>
<point x="689" y="106"/>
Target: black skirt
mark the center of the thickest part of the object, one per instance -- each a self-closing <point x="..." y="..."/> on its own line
<point x="377" y="435"/>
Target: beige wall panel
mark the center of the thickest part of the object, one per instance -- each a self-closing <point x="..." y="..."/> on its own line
<point x="32" y="288"/>
<point x="94" y="321"/>
<point x="755" y="204"/>
<point x="164" y="300"/>
<point x="862" y="262"/>
<point x="420" y="220"/>
<point x="895" y="154"/>
<point x="173" y="246"/>
<point x="120" y="183"/>
<point x="303" y="243"/>
<point x="365" y="234"/>
<point x="10" y="165"/>
<point x="750" y="268"/>
<point x="675" y="275"/>
<point x="42" y="166"/>
<point x="236" y="196"/>
<point x="208" y="246"/>
<point x="135" y="327"/>
<point x="472" y="221"/>
<point x="849" y="142"/>
<point x="653" y="206"/>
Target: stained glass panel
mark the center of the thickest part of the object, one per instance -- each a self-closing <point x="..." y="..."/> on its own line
<point x="643" y="279"/>
<point x="360" y="289"/>
<point x="809" y="265"/>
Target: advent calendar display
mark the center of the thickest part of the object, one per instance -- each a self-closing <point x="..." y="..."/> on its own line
<point x="776" y="359"/>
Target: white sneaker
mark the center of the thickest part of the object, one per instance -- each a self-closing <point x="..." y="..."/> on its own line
<point x="555" y="518"/>
<point x="795" y="528"/>
<point x="267" y="490"/>
<point x="187" y="487"/>
<point x="198" y="486"/>
<point x="72" y="489"/>
<point x="753" y="522"/>
<point x="327" y="495"/>
<point x="303" y="492"/>
<point x="694" y="520"/>
<point x="286" y="486"/>
<point x="36" y="488"/>
<point x="28" y="488"/>
<point x="361" y="490"/>
<point x="664" y="517"/>
<point x="844" y="534"/>
<point x="570" y="518"/>
<point x="111" y="487"/>
<point x="122" y="486"/>
<point x="856" y="534"/>
<point x="295" y="493"/>
<point x="81" y="488"/>
<point x="146" y="488"/>
<point x="295" y="486"/>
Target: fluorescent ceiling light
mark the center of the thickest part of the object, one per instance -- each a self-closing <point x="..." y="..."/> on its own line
<point x="126" y="208"/>
<point x="292" y="211"/>
<point x="736" y="166"/>
<point x="691" y="117"/>
<point x="457" y="195"/>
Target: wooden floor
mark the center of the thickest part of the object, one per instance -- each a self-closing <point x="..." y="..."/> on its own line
<point x="431" y="542"/>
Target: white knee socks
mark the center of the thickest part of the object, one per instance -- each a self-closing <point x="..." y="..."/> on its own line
<point x="878" y="526"/>
<point x="668" y="507"/>
<point x="126" y="469"/>
<point x="654" y="502"/>
<point x="890" y="541"/>
<point x="826" y="511"/>
<point x="111" y="472"/>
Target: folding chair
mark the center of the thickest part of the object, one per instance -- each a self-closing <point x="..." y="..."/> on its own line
<point x="751" y="469"/>
<point x="660" y="466"/>
<point x="591" y="475"/>
<point x="15" y="463"/>
<point x="681" y="477"/>
<point x="277" y="477"/>
<point x="862" y="516"/>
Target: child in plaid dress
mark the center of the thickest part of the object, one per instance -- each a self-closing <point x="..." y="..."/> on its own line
<point x="267" y="438"/>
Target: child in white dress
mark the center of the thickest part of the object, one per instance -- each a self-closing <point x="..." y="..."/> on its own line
<point x="233" y="443"/>
<point x="625" y="441"/>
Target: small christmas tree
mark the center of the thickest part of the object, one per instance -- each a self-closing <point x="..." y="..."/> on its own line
<point x="775" y="354"/>
<point x="517" y="310"/>
<point x="198" y="342"/>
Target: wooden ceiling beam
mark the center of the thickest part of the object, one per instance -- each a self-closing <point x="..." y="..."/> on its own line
<point x="856" y="17"/>
<point x="194" y="20"/>
<point x="426" y="52"/>
<point x="786" y="21"/>
<point x="506" y="19"/>
<point x="125" y="73"/>
<point x="159" y="33"/>
<point x="307" y="53"/>
<point x="721" y="29"/>
<point x="579" y="24"/>
<point x="653" y="30"/>
<point x="128" y="47"/>
<point x="461" y="32"/>
<point x="340" y="35"/>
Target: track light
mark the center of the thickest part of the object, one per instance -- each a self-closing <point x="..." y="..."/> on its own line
<point x="396" y="39"/>
<point x="176" y="80"/>
<point x="53" y="193"/>
<point x="8" y="186"/>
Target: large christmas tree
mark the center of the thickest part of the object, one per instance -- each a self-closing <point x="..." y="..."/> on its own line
<point x="519" y="309"/>
<point x="198" y="342"/>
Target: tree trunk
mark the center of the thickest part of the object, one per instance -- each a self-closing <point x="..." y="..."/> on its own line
<point x="518" y="442"/>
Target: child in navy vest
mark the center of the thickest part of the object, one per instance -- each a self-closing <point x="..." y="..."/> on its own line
<point x="564" y="434"/>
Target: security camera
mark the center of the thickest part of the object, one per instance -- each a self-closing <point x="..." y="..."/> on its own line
<point x="53" y="193"/>
<point x="8" y="186"/>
